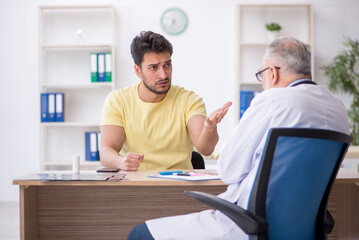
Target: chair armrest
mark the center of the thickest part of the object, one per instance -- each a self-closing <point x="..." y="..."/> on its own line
<point x="328" y="222"/>
<point x="247" y="221"/>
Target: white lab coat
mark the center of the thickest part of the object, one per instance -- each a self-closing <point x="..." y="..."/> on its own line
<point x="309" y="106"/>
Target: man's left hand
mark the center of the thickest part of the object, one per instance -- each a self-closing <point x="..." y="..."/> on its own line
<point x="216" y="117"/>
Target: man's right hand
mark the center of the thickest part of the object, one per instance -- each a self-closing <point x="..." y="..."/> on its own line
<point x="131" y="161"/>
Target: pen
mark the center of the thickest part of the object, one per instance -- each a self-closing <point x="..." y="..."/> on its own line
<point x="182" y="174"/>
<point x="169" y="172"/>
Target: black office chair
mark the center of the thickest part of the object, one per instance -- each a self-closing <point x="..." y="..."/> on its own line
<point x="291" y="189"/>
<point x="197" y="161"/>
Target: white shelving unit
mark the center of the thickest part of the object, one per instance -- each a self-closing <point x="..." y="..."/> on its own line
<point x="252" y="40"/>
<point x="67" y="36"/>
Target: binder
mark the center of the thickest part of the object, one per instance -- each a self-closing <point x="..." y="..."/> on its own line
<point x="98" y="144"/>
<point x="93" y="67"/>
<point x="59" y="117"/>
<point x="44" y="107"/>
<point x="245" y="100"/>
<point x="51" y="107"/>
<point x="101" y="67"/>
<point x="91" y="151"/>
<point x="108" y="67"/>
<point x="98" y="141"/>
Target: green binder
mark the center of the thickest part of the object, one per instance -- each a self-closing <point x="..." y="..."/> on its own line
<point x="93" y="67"/>
<point x="108" y="67"/>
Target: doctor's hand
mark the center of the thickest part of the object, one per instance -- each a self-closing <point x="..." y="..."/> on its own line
<point x="131" y="161"/>
<point x="216" y="117"/>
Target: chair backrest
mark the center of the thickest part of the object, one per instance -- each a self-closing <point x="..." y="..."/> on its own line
<point x="294" y="179"/>
<point x="197" y="161"/>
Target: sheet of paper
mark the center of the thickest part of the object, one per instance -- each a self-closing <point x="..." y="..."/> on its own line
<point x="67" y="177"/>
<point x="203" y="177"/>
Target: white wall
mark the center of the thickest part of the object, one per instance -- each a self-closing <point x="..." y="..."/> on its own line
<point x="204" y="61"/>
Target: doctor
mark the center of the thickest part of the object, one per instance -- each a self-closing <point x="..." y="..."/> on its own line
<point x="290" y="99"/>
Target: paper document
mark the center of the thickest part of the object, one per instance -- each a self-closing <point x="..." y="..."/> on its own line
<point x="44" y="177"/>
<point x="199" y="177"/>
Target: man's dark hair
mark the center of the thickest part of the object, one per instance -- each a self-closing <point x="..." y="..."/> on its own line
<point x="146" y="42"/>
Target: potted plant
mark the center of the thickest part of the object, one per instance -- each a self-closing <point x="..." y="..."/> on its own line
<point x="273" y="30"/>
<point x="343" y="74"/>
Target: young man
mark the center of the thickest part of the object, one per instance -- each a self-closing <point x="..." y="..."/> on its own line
<point x="154" y="124"/>
<point x="290" y="99"/>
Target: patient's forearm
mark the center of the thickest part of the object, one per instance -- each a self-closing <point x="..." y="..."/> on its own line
<point x="110" y="158"/>
<point x="207" y="141"/>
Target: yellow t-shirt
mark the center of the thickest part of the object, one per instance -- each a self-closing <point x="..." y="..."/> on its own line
<point x="156" y="130"/>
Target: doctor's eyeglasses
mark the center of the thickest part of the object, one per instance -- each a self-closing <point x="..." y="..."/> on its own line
<point x="259" y="74"/>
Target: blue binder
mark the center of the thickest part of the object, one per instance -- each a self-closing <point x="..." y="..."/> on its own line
<point x="91" y="152"/>
<point x="44" y="107"/>
<point x="59" y="117"/>
<point x="51" y="107"/>
<point x="101" y="66"/>
<point x="245" y="100"/>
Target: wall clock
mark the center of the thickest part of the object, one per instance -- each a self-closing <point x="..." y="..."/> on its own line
<point x="174" y="21"/>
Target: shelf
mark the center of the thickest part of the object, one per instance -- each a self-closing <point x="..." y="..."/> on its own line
<point x="295" y="20"/>
<point x="252" y="38"/>
<point x="252" y="84"/>
<point x="76" y="46"/>
<point x="261" y="44"/>
<point x="95" y="7"/>
<point x="60" y="26"/>
<point x="76" y="86"/>
<point x="69" y="124"/>
<point x="275" y="5"/>
<point x="83" y="163"/>
<point x="68" y="35"/>
<point x="254" y="44"/>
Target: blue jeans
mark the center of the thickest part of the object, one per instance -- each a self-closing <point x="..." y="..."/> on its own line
<point x="140" y="232"/>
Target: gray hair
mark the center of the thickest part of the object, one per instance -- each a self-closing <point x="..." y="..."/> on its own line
<point x="291" y="55"/>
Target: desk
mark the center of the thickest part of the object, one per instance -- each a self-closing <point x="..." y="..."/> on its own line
<point x="109" y="210"/>
<point x="343" y="204"/>
<point x="102" y="209"/>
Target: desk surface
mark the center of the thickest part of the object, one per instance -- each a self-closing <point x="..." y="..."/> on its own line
<point x="139" y="178"/>
<point x="347" y="176"/>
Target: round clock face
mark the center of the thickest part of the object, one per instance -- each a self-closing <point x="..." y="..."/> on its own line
<point x="174" y="21"/>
